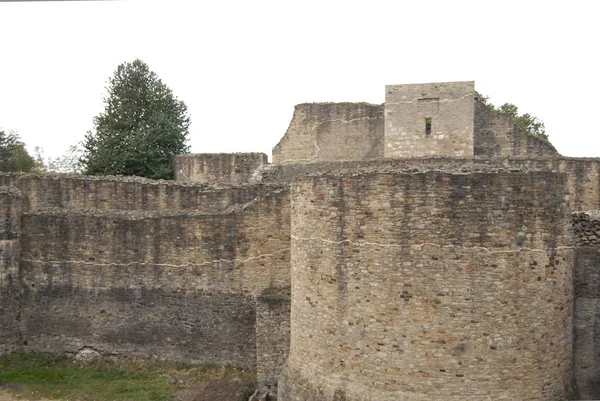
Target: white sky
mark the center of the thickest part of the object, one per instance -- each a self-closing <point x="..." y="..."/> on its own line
<point x="241" y="66"/>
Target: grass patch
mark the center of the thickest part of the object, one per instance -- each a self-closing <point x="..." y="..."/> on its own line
<point x="108" y="379"/>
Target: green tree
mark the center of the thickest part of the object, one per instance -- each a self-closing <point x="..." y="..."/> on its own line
<point x="143" y="125"/>
<point x="14" y="156"/>
<point x="527" y="122"/>
<point x="531" y="124"/>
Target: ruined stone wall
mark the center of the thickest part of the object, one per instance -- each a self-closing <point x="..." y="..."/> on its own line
<point x="272" y="333"/>
<point x="447" y="106"/>
<point x="587" y="305"/>
<point x="496" y="135"/>
<point x="285" y="173"/>
<point x="583" y="177"/>
<point x="126" y="193"/>
<point x="10" y="288"/>
<point x="430" y="286"/>
<point x="217" y="168"/>
<point x="331" y="132"/>
<point x="583" y="174"/>
<point x="177" y="285"/>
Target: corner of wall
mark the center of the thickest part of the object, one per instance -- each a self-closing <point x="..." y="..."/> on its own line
<point x="11" y="208"/>
<point x="273" y="309"/>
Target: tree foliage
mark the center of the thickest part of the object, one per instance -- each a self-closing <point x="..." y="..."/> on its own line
<point x="530" y="124"/>
<point x="14" y="156"/>
<point x="143" y="125"/>
<point x="527" y="122"/>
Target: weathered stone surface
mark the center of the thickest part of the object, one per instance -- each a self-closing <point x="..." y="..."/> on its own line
<point x="448" y="107"/>
<point x="178" y="285"/>
<point x="217" y="168"/>
<point x="420" y="278"/>
<point x="190" y="326"/>
<point x="127" y="193"/>
<point x="583" y="177"/>
<point x="586" y="227"/>
<point x="496" y="135"/>
<point x="330" y="132"/>
<point x="272" y="333"/>
<point x="430" y="286"/>
<point x="10" y="287"/>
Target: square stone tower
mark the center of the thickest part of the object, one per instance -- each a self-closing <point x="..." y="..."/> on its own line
<point x="434" y="119"/>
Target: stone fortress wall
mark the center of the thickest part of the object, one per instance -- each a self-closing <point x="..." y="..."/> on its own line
<point x="416" y="285"/>
<point x="324" y="132"/>
<point x="429" y="119"/>
<point x="10" y="283"/>
<point x="381" y="277"/>
<point x="85" y="268"/>
<point x="217" y="168"/>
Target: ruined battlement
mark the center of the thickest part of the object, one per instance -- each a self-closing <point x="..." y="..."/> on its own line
<point x="422" y="249"/>
<point x="217" y="168"/>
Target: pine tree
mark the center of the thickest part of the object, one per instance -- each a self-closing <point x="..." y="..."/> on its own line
<point x="143" y="125"/>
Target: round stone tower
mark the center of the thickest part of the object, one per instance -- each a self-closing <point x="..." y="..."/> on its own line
<point x="410" y="285"/>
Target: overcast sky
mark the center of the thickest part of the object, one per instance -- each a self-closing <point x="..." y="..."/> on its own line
<point x="241" y="66"/>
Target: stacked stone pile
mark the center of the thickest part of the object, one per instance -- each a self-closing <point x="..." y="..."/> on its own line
<point x="586" y="227"/>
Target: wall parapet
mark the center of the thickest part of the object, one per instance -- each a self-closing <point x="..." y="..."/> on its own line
<point x="128" y="193"/>
<point x="217" y="168"/>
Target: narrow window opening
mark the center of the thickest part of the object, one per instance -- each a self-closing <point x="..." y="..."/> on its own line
<point x="428" y="126"/>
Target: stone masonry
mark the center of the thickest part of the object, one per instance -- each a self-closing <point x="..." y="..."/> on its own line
<point x="415" y="286"/>
<point x="423" y="249"/>
<point x="429" y="119"/>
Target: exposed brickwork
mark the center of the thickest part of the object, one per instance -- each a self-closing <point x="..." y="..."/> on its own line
<point x="217" y="168"/>
<point x="430" y="286"/>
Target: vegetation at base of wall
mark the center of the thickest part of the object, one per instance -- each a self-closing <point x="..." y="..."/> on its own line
<point x="530" y="124"/>
<point x="107" y="379"/>
<point x="142" y="127"/>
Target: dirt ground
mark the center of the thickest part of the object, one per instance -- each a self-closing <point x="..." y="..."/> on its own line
<point x="14" y="392"/>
